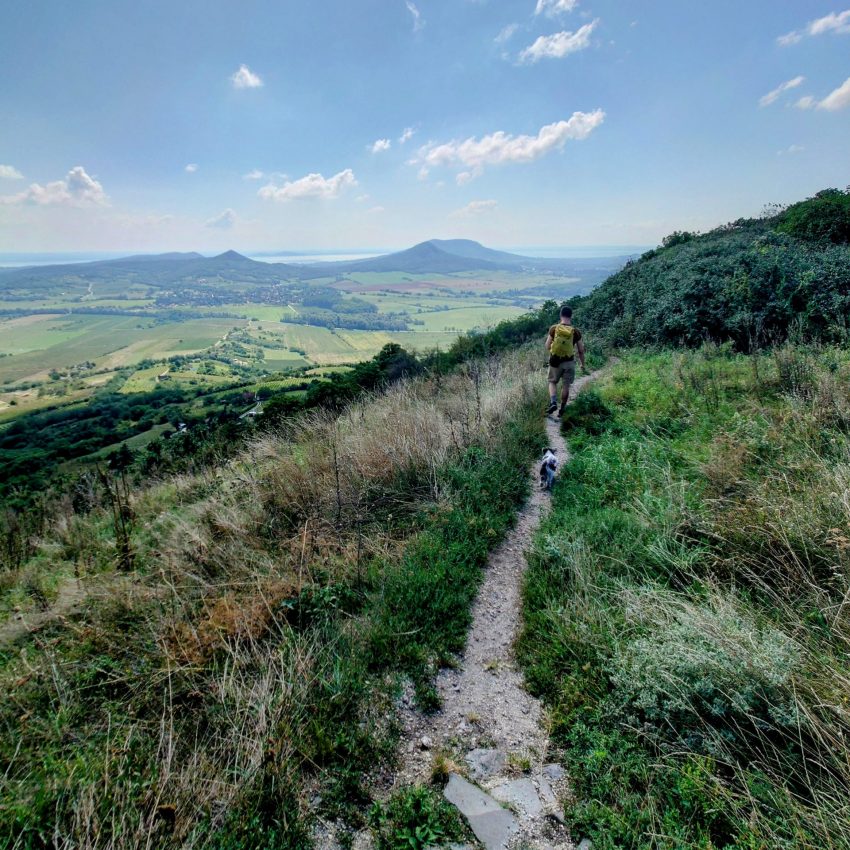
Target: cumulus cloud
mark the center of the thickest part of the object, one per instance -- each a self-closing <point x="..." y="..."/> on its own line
<point x="9" y="172"/>
<point x="837" y="23"/>
<point x="559" y="44"/>
<point x="791" y="150"/>
<point x="380" y="145"/>
<point x="773" y="96"/>
<point x="311" y="186"/>
<point x="474" y="208"/>
<point x="245" y="78"/>
<point x="506" y="34"/>
<point x="551" y="8"/>
<point x="473" y="155"/>
<point x="835" y="100"/>
<point x="418" y="23"/>
<point x="223" y="221"/>
<point x="789" y="38"/>
<point x="191" y="168"/>
<point x="407" y="135"/>
<point x="78" y="189"/>
<point x="254" y="174"/>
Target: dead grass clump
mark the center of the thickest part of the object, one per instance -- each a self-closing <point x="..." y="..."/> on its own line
<point x="228" y="618"/>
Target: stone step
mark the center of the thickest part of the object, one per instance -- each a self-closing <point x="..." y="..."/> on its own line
<point x="493" y="825"/>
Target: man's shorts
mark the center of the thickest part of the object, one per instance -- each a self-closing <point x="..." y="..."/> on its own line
<point x="565" y="370"/>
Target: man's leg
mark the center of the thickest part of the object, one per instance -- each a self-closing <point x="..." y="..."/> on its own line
<point x="569" y="377"/>
<point x="553" y="390"/>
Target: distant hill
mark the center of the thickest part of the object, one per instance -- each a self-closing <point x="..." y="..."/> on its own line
<point x="181" y="270"/>
<point x="450" y="256"/>
<point x="424" y="258"/>
<point x="159" y="271"/>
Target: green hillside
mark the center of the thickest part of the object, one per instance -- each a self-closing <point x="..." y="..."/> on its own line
<point x="754" y="281"/>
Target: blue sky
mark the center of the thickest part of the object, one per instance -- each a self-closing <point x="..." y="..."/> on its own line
<point x="379" y="123"/>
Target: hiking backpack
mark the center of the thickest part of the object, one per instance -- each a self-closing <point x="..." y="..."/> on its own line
<point x="562" y="342"/>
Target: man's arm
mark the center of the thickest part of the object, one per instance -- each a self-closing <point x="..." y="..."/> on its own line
<point x="548" y="341"/>
<point x="580" y="349"/>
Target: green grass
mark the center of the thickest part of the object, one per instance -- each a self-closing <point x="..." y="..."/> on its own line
<point x="40" y="343"/>
<point x="464" y="319"/>
<point x="680" y="606"/>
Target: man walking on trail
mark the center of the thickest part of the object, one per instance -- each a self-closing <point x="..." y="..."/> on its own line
<point x="562" y="343"/>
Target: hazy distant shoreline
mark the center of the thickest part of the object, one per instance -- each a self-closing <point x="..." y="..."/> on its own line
<point x="23" y="259"/>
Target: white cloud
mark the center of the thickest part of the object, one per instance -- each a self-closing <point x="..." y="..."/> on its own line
<point x="835" y="100"/>
<point x="223" y="221"/>
<point x="837" y="23"/>
<point x="789" y="38"/>
<point x="407" y="135"/>
<point x="559" y="44"/>
<point x="506" y="34"/>
<point x="791" y="150"/>
<point x="555" y="7"/>
<point x="376" y="210"/>
<point x="773" y="96"/>
<point x="472" y="155"/>
<point x="245" y="78"/>
<point x="474" y="208"/>
<point x="9" y="172"/>
<point x="191" y="168"/>
<point x="254" y="174"/>
<point x="78" y="189"/>
<point x="311" y="186"/>
<point x="418" y="23"/>
<point x="380" y="145"/>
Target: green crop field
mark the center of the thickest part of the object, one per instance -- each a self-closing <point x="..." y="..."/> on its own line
<point x="467" y="318"/>
<point x="63" y="357"/>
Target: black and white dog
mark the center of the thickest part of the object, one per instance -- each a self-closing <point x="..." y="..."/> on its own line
<point x="548" y="467"/>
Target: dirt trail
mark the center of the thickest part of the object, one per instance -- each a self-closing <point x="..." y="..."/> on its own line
<point x="489" y="724"/>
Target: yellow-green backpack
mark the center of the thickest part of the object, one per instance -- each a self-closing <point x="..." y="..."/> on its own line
<point x="562" y="343"/>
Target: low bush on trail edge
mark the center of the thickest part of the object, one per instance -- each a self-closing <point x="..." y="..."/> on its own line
<point x="685" y="606"/>
<point x="416" y="818"/>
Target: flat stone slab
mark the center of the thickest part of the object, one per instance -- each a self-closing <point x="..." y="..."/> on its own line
<point x="522" y="794"/>
<point x="485" y="763"/>
<point x="554" y="772"/>
<point x="493" y="826"/>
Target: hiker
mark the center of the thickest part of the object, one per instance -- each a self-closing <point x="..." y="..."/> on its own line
<point x="562" y="343"/>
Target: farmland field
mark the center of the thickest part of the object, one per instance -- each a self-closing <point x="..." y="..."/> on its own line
<point x="60" y="346"/>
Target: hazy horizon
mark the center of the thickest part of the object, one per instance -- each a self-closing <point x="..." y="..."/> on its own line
<point x="12" y="259"/>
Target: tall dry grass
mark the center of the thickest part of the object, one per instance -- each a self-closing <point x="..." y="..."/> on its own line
<point x="217" y="678"/>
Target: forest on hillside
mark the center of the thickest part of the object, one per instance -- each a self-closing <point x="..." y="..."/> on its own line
<point x="752" y="281"/>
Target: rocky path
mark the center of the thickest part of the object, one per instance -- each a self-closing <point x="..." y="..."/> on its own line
<point x="490" y="728"/>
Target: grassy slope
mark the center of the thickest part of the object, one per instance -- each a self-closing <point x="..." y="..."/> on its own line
<point x="686" y="615"/>
<point x="246" y="663"/>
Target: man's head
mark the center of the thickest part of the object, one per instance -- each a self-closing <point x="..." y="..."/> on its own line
<point x="566" y="313"/>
